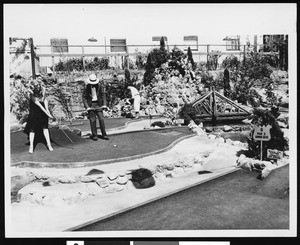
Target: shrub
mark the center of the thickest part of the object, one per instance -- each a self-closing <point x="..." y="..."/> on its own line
<point x="149" y="73"/>
<point x="277" y="141"/>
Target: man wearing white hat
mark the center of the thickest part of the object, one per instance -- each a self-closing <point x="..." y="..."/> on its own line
<point x="94" y="103"/>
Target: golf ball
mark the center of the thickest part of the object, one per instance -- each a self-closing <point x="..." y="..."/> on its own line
<point x="115" y="145"/>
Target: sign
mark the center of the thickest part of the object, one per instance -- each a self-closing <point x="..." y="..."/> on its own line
<point x="59" y="45"/>
<point x="190" y="38"/>
<point x="262" y="133"/>
<point x="118" y="45"/>
<point x="192" y="42"/>
<point x="180" y="121"/>
<point x="157" y="38"/>
<point x="274" y="154"/>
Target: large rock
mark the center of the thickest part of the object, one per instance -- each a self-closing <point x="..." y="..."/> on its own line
<point x="148" y="182"/>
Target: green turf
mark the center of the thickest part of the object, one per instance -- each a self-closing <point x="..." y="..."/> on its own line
<point x="121" y="145"/>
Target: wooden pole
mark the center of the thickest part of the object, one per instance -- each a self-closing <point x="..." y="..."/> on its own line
<point x="261" y="150"/>
<point x="53" y="66"/>
<point x="207" y="57"/>
<point x="32" y="53"/>
<point x="244" y="61"/>
<point x="83" y="61"/>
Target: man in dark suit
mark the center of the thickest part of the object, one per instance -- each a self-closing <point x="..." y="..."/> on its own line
<point x="94" y="103"/>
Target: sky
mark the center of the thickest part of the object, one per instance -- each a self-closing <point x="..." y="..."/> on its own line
<point x="138" y="23"/>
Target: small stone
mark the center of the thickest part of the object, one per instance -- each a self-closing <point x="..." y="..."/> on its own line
<point x="227" y="128"/>
<point x="111" y="188"/>
<point x="177" y="172"/>
<point x="208" y="129"/>
<point x="122" y="180"/>
<point x="67" y="179"/>
<point x="121" y="174"/>
<point x="212" y="136"/>
<point x="169" y="166"/>
<point x="102" y="183"/>
<point x="228" y="141"/>
<point x="206" y="154"/>
<point x="77" y="131"/>
<point x="282" y="124"/>
<point x="169" y="174"/>
<point x="160" y="176"/>
<point x="221" y="140"/>
<point x="112" y="176"/>
<point x="86" y="179"/>
<point x="120" y="187"/>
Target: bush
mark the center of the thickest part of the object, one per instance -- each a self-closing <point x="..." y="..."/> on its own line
<point x="149" y="73"/>
<point x="277" y="141"/>
<point x="187" y="112"/>
<point x="77" y="64"/>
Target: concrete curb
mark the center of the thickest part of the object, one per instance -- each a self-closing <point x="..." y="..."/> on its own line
<point x="152" y="200"/>
<point x="32" y="164"/>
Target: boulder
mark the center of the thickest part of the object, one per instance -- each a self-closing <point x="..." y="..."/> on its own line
<point x="148" y="182"/>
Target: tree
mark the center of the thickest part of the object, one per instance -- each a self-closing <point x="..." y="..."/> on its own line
<point x="162" y="43"/>
<point x="190" y="57"/>
<point x="267" y="117"/>
<point x="149" y="73"/>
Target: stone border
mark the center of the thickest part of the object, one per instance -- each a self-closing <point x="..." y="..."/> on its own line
<point x="111" y="182"/>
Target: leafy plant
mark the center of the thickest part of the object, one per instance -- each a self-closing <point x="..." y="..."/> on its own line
<point x="262" y="118"/>
<point x="149" y="73"/>
<point x="190" y="57"/>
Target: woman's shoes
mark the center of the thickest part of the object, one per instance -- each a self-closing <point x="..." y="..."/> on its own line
<point x="30" y="150"/>
<point x="50" y="148"/>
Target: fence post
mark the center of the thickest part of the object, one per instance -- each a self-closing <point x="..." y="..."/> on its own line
<point x="53" y="65"/>
<point x="32" y="53"/>
<point x="83" y="61"/>
<point x="207" y="57"/>
<point x="244" y="55"/>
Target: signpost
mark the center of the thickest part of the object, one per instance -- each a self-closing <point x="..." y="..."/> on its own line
<point x="262" y="133"/>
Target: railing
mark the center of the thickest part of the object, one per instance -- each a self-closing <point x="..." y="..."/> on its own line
<point x="204" y="50"/>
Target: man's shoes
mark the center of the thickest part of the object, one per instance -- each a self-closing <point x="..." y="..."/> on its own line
<point x="93" y="137"/>
<point x="105" y="137"/>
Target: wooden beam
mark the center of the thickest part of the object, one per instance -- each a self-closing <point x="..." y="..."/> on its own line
<point x="231" y="102"/>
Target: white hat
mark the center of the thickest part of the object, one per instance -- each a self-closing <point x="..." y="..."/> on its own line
<point x="93" y="79"/>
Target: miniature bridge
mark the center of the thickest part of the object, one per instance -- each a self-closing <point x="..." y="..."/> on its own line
<point x="214" y="106"/>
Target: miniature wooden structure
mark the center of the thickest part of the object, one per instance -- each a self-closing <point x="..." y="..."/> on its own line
<point x="214" y="107"/>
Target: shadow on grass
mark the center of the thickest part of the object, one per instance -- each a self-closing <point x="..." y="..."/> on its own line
<point x="204" y="172"/>
<point x="142" y="178"/>
<point x="247" y="153"/>
<point x="94" y="172"/>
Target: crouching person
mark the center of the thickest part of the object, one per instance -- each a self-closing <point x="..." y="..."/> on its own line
<point x="135" y="95"/>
